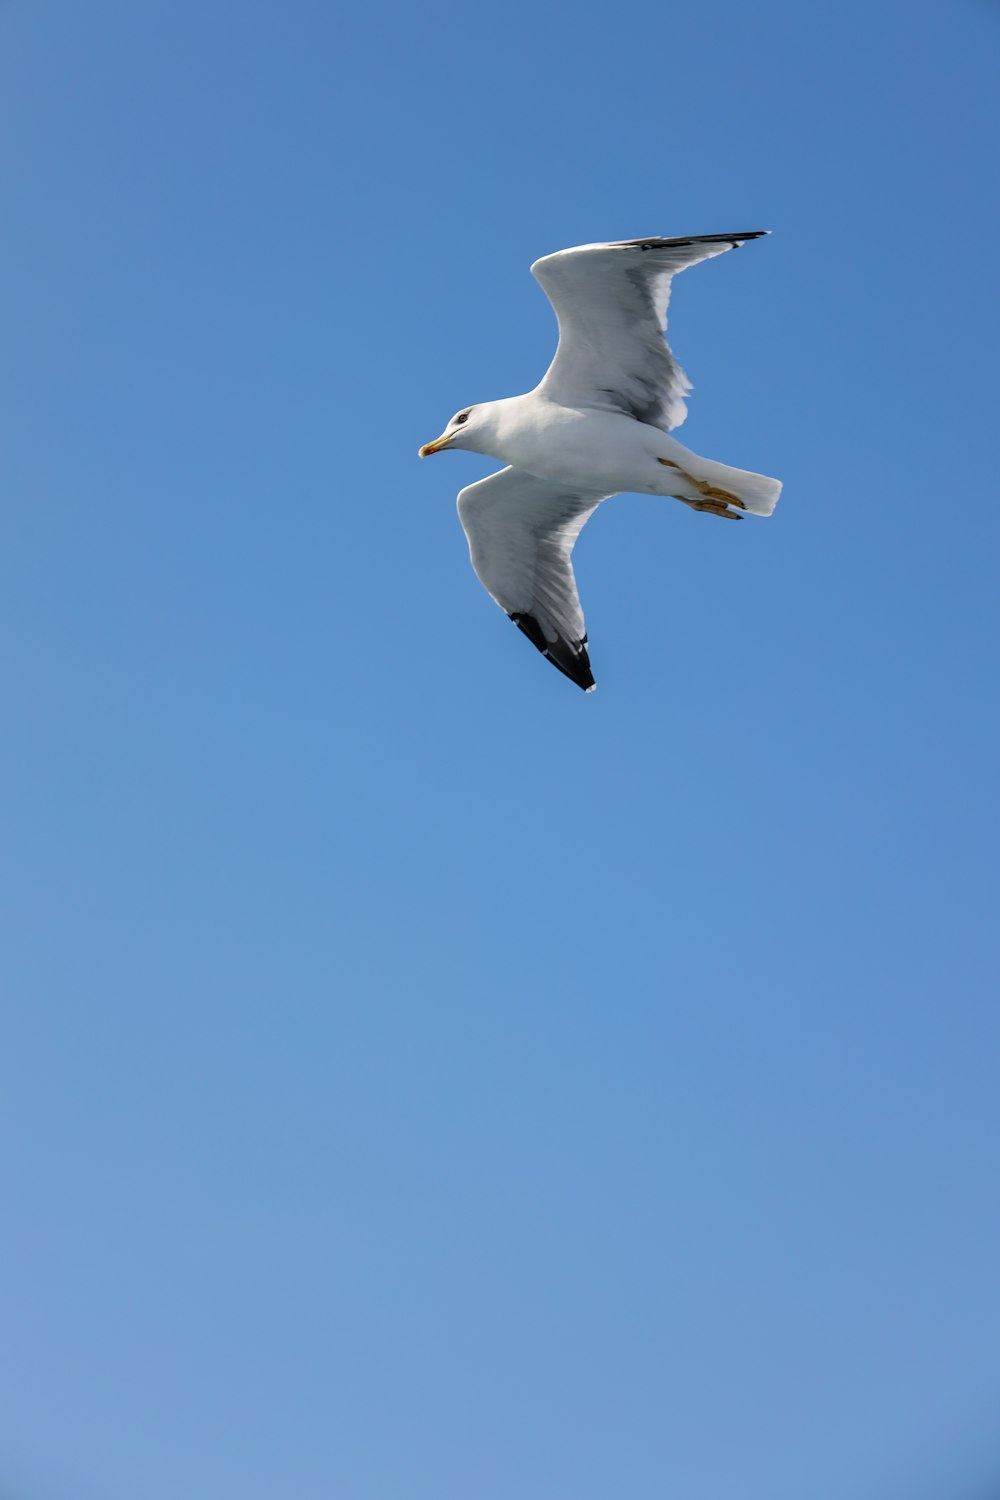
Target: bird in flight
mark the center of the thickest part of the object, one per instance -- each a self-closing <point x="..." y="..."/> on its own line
<point x="595" y="425"/>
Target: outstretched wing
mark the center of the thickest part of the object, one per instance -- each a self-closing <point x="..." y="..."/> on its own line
<point x="522" y="531"/>
<point x="611" y="302"/>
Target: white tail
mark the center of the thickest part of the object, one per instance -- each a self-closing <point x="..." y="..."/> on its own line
<point x="758" y="492"/>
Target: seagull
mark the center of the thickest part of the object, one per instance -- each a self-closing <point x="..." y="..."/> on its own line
<point x="596" y="424"/>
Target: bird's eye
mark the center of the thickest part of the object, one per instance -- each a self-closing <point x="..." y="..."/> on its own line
<point x="463" y="416"/>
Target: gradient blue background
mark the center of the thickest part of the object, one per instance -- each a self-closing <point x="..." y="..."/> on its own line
<point x="419" y="1079"/>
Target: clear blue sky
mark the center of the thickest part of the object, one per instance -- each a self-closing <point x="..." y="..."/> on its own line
<point x="420" y="1081"/>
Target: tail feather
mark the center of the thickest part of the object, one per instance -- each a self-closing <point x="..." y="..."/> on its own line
<point x="758" y="492"/>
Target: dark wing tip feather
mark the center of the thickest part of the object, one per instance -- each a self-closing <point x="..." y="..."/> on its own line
<point x="568" y="657"/>
<point x="694" y="239"/>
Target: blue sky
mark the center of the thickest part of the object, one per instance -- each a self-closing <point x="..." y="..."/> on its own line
<point x="420" y="1079"/>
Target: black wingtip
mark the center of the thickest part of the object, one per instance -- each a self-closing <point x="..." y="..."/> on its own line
<point x="568" y="657"/>
<point x="725" y="239"/>
<point x="694" y="239"/>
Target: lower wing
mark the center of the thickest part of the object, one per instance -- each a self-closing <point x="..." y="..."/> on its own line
<point x="522" y="531"/>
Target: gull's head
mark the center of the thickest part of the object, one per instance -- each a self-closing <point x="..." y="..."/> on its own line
<point x="460" y="432"/>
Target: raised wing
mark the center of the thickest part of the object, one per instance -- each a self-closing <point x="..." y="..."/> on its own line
<point x="611" y="302"/>
<point x="522" y="531"/>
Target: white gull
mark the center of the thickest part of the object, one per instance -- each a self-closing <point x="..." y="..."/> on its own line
<point x="595" y="425"/>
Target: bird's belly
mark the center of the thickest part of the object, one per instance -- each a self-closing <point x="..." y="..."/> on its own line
<point x="593" y="449"/>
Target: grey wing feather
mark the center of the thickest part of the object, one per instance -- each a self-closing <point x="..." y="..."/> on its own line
<point x="521" y="532"/>
<point x="611" y="302"/>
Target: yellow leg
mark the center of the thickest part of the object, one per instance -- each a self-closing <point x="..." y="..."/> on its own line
<point x="711" y="492"/>
<point x="712" y="508"/>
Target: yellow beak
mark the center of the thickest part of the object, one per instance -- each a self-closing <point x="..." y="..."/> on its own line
<point x="435" y="447"/>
